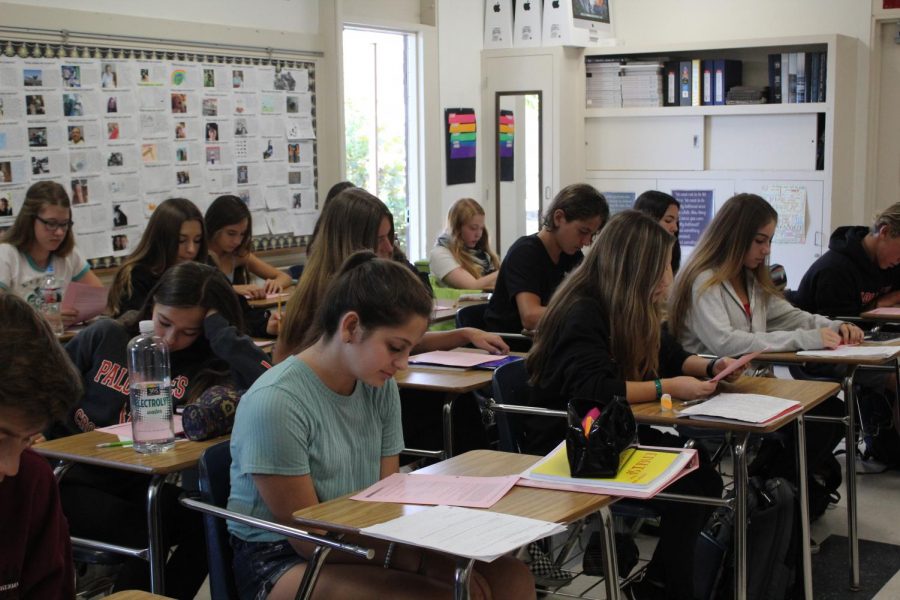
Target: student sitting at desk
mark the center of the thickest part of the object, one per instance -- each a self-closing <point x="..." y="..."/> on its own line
<point x="665" y="209"/>
<point x="462" y="257"/>
<point x="602" y="337"/>
<point x="724" y="303"/>
<point x="228" y="228"/>
<point x="536" y="264"/>
<point x="860" y="271"/>
<point x="355" y="220"/>
<point x="194" y="310"/>
<point x="42" y="236"/>
<point x="39" y="384"/>
<point x="326" y="422"/>
<point x="174" y="235"/>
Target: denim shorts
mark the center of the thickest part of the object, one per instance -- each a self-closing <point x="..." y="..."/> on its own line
<point x="259" y="565"/>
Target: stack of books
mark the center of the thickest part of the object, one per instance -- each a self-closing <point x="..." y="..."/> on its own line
<point x="747" y="94"/>
<point x="602" y="87"/>
<point x="641" y="83"/>
<point x="797" y="77"/>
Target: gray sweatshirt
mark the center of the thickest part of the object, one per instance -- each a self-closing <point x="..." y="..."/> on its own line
<point x="717" y="323"/>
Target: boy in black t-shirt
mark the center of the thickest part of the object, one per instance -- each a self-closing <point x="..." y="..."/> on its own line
<point x="536" y="264"/>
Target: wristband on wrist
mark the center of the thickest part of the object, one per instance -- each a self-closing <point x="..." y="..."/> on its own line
<point x="711" y="366"/>
<point x="658" y="385"/>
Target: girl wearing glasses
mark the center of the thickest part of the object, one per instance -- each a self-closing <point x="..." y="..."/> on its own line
<point x="42" y="236"/>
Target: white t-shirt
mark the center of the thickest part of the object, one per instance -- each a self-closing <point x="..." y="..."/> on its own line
<point x="19" y="274"/>
<point x="441" y="262"/>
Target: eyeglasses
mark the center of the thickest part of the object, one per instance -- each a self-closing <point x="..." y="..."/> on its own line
<point x="52" y="224"/>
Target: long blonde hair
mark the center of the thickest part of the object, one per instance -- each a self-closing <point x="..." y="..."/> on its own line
<point x="721" y="248"/>
<point x="463" y="211"/>
<point x="621" y="271"/>
<point x="348" y="223"/>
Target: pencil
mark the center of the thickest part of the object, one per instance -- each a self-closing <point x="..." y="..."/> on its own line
<point x="123" y="444"/>
<point x="278" y="309"/>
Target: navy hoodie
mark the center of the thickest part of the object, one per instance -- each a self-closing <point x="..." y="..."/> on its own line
<point x="99" y="352"/>
<point x="844" y="280"/>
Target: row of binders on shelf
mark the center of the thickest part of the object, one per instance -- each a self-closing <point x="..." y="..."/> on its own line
<point x="624" y="83"/>
<point x="797" y="77"/>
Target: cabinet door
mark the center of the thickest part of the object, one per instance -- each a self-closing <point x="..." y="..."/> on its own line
<point x="644" y="144"/>
<point x="799" y="239"/>
<point x="762" y="142"/>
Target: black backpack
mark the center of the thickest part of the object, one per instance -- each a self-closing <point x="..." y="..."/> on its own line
<point x="882" y="439"/>
<point x="773" y="545"/>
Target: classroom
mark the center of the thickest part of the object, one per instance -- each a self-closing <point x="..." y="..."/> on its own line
<point x="172" y="162"/>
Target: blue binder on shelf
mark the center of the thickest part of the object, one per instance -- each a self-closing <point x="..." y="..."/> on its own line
<point x="728" y="73"/>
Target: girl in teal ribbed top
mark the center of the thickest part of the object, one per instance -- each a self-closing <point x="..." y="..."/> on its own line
<point x="326" y="422"/>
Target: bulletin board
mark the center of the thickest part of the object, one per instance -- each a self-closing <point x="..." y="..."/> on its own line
<point x="124" y="129"/>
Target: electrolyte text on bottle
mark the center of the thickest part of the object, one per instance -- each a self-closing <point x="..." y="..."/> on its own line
<point x="151" y="392"/>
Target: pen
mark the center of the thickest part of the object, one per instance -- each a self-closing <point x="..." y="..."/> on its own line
<point x="124" y="444"/>
<point x="693" y="402"/>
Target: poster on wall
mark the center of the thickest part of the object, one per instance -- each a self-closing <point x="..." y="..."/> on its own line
<point x="695" y="215"/>
<point x="461" y="131"/>
<point x="123" y="134"/>
<point x="619" y="201"/>
<point x="790" y="203"/>
<point x="506" y="139"/>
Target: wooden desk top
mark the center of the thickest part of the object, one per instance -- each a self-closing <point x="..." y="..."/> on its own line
<point x="343" y="514"/>
<point x="438" y="379"/>
<point x="873" y="315"/>
<point x="794" y="358"/>
<point x="82" y="448"/>
<point x="808" y="393"/>
<point x="270" y="302"/>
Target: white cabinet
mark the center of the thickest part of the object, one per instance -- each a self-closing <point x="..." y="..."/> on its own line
<point x="789" y="153"/>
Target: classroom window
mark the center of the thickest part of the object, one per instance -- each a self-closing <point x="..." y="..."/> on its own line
<point x="380" y="119"/>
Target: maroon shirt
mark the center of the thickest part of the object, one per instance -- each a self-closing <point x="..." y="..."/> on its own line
<point x="35" y="549"/>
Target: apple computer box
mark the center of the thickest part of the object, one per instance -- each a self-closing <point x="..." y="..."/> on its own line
<point x="498" y="24"/>
<point x="527" y="24"/>
<point x="577" y="23"/>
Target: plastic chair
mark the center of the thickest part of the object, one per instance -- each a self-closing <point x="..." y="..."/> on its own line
<point x="215" y="486"/>
<point x="471" y="316"/>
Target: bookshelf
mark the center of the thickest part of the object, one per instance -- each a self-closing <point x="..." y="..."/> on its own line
<point x="801" y="154"/>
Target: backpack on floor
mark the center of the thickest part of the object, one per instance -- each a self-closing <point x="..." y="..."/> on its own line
<point x="772" y="545"/>
<point x="878" y="416"/>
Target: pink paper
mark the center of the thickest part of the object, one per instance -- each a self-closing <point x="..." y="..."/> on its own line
<point x="438" y="490"/>
<point x="738" y="364"/>
<point x="88" y="300"/>
<point x="123" y="430"/>
<point x="448" y="358"/>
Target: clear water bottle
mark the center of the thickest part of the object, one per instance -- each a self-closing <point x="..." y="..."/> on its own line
<point x="152" y="425"/>
<point x="50" y="299"/>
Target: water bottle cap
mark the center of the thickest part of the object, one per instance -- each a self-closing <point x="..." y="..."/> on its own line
<point x="50" y="268"/>
<point x="146" y="327"/>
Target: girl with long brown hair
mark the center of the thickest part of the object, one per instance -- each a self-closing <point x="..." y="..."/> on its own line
<point x="174" y="234"/>
<point x="354" y="220"/>
<point x="602" y="337"/>
<point x="228" y="227"/>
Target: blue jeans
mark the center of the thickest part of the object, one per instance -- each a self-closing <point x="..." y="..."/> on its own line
<point x="259" y="565"/>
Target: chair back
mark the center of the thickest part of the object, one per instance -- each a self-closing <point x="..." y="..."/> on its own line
<point x="510" y="386"/>
<point x="471" y="316"/>
<point x="215" y="486"/>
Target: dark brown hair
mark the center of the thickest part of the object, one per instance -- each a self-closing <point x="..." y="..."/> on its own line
<point x="158" y="248"/>
<point x="230" y="210"/>
<point x="39" y="195"/>
<point x="382" y="292"/>
<point x="579" y="202"/>
<point x="38" y="378"/>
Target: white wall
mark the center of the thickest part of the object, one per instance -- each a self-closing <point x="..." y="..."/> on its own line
<point x="301" y="16"/>
<point x="460" y="42"/>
